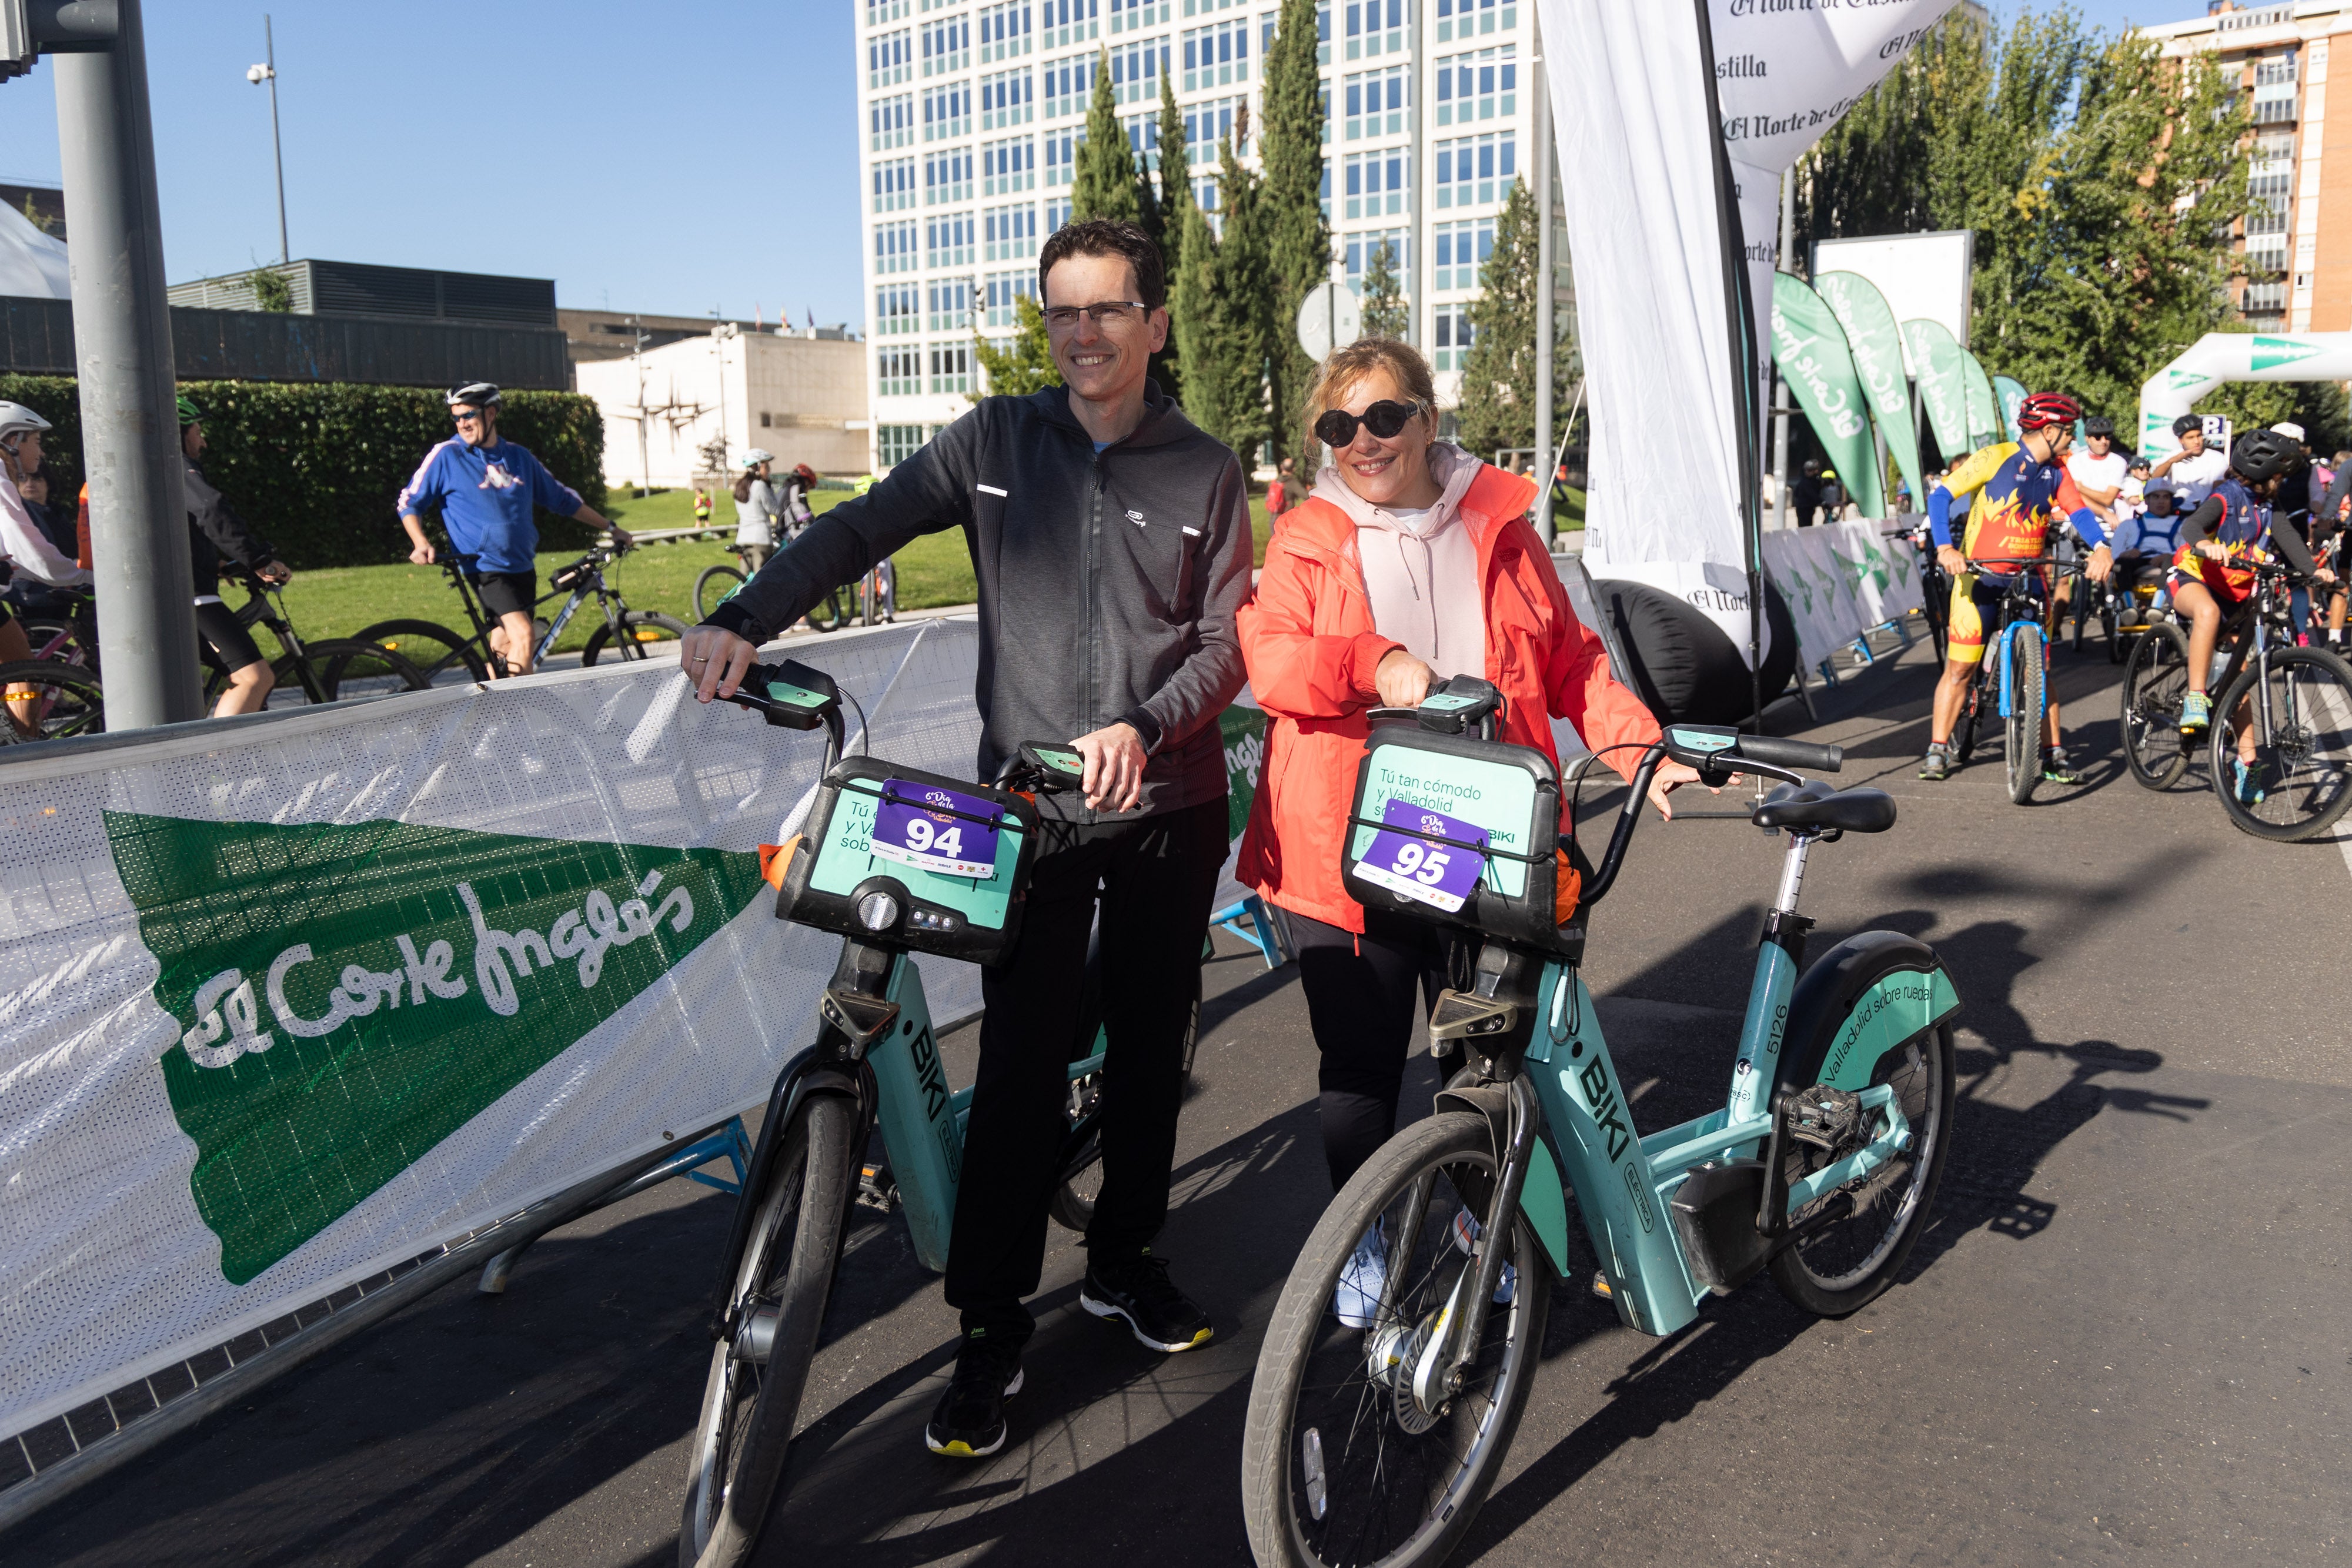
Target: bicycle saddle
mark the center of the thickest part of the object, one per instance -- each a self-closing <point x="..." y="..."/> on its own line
<point x="1816" y="805"/>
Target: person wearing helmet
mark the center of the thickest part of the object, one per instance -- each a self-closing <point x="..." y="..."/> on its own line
<point x="2196" y="468"/>
<point x="22" y="541"/>
<point x="2021" y="488"/>
<point x="215" y="531"/>
<point x="799" y="485"/>
<point x="756" y="510"/>
<point x="485" y="489"/>
<point x="2234" y="524"/>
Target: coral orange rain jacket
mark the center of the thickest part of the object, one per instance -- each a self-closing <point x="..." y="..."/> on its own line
<point x="1311" y="650"/>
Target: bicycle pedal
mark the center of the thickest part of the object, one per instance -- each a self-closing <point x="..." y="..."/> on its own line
<point x="876" y="1187"/>
<point x="1601" y="1286"/>
<point x="1461" y="1016"/>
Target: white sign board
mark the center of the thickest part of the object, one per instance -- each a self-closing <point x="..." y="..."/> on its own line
<point x="1925" y="276"/>
<point x="1329" y="317"/>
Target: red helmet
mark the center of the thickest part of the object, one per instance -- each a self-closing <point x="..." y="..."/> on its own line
<point x="2044" y="409"/>
<point x="806" y="473"/>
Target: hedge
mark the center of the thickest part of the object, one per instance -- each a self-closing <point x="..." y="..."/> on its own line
<point x="316" y="467"/>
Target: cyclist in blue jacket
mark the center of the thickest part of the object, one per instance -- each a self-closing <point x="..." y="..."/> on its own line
<point x="485" y="489"/>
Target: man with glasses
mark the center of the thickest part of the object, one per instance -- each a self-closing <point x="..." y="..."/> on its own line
<point x="485" y="489"/>
<point x="1111" y="539"/>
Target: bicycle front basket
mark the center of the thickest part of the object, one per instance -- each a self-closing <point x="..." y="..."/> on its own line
<point x="834" y="867"/>
<point x="1457" y="831"/>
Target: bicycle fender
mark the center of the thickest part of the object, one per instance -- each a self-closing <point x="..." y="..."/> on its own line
<point x="801" y="1077"/>
<point x="1871" y="992"/>
<point x="1542" y="1196"/>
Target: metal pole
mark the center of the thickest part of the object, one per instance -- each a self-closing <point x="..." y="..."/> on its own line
<point x="1546" y="305"/>
<point x="277" y="148"/>
<point x="1780" y="381"/>
<point x="122" y="352"/>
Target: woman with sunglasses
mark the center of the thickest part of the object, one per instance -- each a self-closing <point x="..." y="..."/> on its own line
<point x="1409" y="562"/>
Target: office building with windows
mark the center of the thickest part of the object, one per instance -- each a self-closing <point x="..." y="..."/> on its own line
<point x="971" y="114"/>
<point x="2296" y="245"/>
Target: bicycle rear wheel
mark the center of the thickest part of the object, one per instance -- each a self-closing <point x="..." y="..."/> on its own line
<point x="1073" y="1203"/>
<point x="2023" y="669"/>
<point x="434" y="649"/>
<point x="2154" y="685"/>
<point x="2298" y="703"/>
<point x="351" y="670"/>
<point x="714" y="587"/>
<point x="47" y="701"/>
<point x="1340" y="1463"/>
<point x="1841" y="1268"/>
<point x="642" y="631"/>
<point x="742" y="1444"/>
<point x="828" y="615"/>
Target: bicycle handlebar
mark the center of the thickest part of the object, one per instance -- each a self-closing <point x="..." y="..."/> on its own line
<point x="1713" y="749"/>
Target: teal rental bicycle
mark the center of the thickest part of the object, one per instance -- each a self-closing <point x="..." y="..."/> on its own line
<point x="1378" y="1445"/>
<point x="896" y="861"/>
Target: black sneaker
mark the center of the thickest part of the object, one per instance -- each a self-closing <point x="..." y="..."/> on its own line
<point x="1139" y="1294"/>
<point x="968" y="1421"/>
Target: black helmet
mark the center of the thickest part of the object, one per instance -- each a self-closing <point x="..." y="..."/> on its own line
<point x="2187" y="422"/>
<point x="482" y="394"/>
<point x="2261" y="454"/>
<point x="2098" y="424"/>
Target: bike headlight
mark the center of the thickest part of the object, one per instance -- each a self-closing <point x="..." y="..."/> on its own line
<point x="877" y="912"/>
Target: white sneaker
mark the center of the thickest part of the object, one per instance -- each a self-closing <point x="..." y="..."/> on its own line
<point x="1358" y="1298"/>
<point x="1465" y="1232"/>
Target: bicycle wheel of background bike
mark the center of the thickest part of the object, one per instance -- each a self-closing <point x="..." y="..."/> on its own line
<point x="742" y="1444"/>
<point x="1073" y="1203"/>
<point x="1839" y="1268"/>
<point x="828" y="615"/>
<point x="49" y="701"/>
<point x="2023" y="673"/>
<point x="642" y="634"/>
<point x="2154" y="684"/>
<point x="1341" y="1465"/>
<point x="351" y="670"/>
<point x="2304" y="751"/>
<point x="713" y="587"/>
<point x="432" y="648"/>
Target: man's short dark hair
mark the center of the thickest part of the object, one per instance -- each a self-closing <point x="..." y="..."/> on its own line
<point x="1104" y="236"/>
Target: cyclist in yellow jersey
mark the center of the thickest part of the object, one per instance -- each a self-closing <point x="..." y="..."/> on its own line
<point x="2021" y="487"/>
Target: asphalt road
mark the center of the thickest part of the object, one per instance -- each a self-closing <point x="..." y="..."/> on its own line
<point x="2125" y="1336"/>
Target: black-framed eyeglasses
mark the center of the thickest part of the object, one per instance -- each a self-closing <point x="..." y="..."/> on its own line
<point x="1106" y="312"/>
<point x="1384" y="419"/>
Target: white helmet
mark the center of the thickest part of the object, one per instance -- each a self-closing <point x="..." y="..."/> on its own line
<point x="756" y="456"/>
<point x="16" y="419"/>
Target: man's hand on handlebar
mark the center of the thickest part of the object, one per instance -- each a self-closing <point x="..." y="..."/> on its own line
<point x="2102" y="562"/>
<point x="275" y="572"/>
<point x="622" y="537"/>
<point x="1402" y="679"/>
<point x="422" y="552"/>
<point x="1114" y="775"/>
<point x="1950" y="558"/>
<point x="714" y="659"/>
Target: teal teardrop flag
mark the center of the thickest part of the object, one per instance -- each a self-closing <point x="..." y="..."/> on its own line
<point x="2010" y="392"/>
<point x="1809" y="347"/>
<point x="1877" y="349"/>
<point x="1942" y="385"/>
<point x="1984" y="409"/>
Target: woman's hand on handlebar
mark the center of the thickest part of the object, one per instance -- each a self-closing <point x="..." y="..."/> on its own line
<point x="1671" y="776"/>
<point x="714" y="659"/>
<point x="1402" y="679"/>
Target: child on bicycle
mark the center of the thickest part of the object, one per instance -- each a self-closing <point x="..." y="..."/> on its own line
<point x="2221" y="542"/>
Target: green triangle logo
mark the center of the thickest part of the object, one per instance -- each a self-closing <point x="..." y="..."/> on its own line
<point x="2186" y="378"/>
<point x="2271" y="352"/>
<point x="351" y="994"/>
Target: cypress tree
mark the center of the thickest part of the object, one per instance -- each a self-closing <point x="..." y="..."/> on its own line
<point x="1498" y="377"/>
<point x="1174" y="202"/>
<point x="1297" y="241"/>
<point x="1384" y="309"/>
<point x="1103" y="184"/>
<point x="1221" y="313"/>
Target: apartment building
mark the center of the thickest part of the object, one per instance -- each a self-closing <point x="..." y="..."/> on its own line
<point x="2297" y="245"/>
<point x="971" y="114"/>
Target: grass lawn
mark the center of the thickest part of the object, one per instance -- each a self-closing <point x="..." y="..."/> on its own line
<point x="934" y="570"/>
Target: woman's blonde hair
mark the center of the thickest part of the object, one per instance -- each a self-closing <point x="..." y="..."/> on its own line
<point x="1343" y="368"/>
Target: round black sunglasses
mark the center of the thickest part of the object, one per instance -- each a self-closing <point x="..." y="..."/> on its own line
<point x="1337" y="428"/>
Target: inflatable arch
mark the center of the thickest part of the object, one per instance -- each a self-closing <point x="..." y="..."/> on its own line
<point x="2220" y="357"/>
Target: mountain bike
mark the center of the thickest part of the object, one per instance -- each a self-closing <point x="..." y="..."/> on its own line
<point x="1934" y="589"/>
<point x="334" y="669"/>
<point x="717" y="584"/>
<point x="438" y="651"/>
<point x="2010" y="679"/>
<point x="2279" y="753"/>
<point x="871" y="600"/>
<point x="896" y="861"/>
<point x="1378" y="1445"/>
<point x="44" y="699"/>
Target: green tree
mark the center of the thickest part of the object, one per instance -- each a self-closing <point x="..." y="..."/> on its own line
<point x="1297" y="240"/>
<point x="1103" y="184"/>
<point x="1221" y="312"/>
<point x="1175" y="199"/>
<point x="272" y="291"/>
<point x="1385" y="315"/>
<point x="1498" y="374"/>
<point x="1025" y="363"/>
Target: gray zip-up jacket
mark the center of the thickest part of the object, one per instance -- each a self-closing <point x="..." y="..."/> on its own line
<point x="1109" y="582"/>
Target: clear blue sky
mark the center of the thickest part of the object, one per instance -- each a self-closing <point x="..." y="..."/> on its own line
<point x="671" y="157"/>
<point x="668" y="158"/>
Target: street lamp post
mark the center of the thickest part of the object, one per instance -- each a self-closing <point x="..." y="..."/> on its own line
<point x="268" y="72"/>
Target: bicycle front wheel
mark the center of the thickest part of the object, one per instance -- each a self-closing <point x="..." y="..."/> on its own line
<point x="642" y="631"/>
<point x="714" y="587"/>
<point x="432" y="648"/>
<point x="1341" y="1463"/>
<point x="2154" y="685"/>
<point x="2023" y="672"/>
<point x="2293" y="709"/>
<point x="828" y="615"/>
<point x="350" y="670"/>
<point x="47" y="701"/>
<point x="752" y="1396"/>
